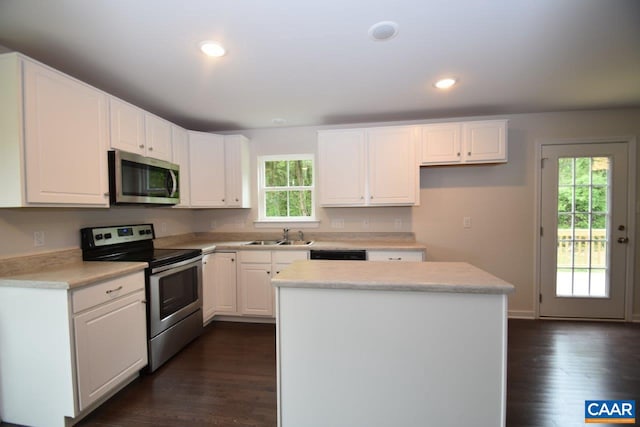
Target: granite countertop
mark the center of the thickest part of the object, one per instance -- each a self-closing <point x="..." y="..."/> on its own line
<point x="455" y="277"/>
<point x="71" y="275"/>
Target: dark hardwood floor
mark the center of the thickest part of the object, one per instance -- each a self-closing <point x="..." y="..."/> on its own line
<point x="227" y="377"/>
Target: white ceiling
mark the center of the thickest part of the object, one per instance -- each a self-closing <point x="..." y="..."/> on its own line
<point x="311" y="62"/>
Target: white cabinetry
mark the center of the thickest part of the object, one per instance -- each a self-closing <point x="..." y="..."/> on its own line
<point x="70" y="350"/>
<point x="180" y="149"/>
<point x="219" y="289"/>
<point x="255" y="270"/>
<point x="384" y="255"/>
<point x="368" y="167"/>
<point x="54" y="137"/>
<point x="466" y="142"/>
<point x="110" y="337"/>
<point x="137" y="131"/>
<point x="219" y="170"/>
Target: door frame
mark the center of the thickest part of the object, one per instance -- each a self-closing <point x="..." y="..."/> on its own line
<point x="631" y="215"/>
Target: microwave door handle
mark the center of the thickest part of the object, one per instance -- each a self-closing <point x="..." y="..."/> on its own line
<point x="172" y="184"/>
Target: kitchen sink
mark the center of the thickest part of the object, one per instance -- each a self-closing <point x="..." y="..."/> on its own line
<point x="280" y="242"/>
<point x="297" y="242"/>
<point x="265" y="242"/>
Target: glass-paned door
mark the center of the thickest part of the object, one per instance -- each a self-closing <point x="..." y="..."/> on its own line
<point x="583" y="212"/>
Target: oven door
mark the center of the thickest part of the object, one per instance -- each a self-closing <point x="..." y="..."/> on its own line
<point x="175" y="292"/>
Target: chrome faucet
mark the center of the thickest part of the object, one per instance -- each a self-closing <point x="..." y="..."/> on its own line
<point x="300" y="235"/>
<point x="285" y="234"/>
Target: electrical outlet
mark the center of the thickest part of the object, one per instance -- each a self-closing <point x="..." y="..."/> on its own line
<point x="38" y="238"/>
<point x="337" y="223"/>
<point x="466" y="222"/>
<point x="397" y="224"/>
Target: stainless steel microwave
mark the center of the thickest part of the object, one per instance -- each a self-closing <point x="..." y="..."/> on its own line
<point x="135" y="179"/>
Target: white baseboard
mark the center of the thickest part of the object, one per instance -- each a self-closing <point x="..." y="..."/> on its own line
<point x="521" y="314"/>
<point x="635" y="318"/>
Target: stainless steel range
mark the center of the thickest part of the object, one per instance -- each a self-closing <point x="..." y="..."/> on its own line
<point x="173" y="284"/>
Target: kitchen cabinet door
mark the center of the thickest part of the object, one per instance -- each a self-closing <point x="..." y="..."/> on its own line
<point x="256" y="293"/>
<point x="157" y="137"/>
<point x="206" y="170"/>
<point x="224" y="283"/>
<point x="441" y="143"/>
<point x="111" y="345"/>
<point x="65" y="139"/>
<point x="127" y="127"/>
<point x="485" y="141"/>
<point x="237" y="173"/>
<point x="342" y="167"/>
<point x="393" y="170"/>
<point x="416" y="256"/>
<point x="180" y="150"/>
<point x="208" y="287"/>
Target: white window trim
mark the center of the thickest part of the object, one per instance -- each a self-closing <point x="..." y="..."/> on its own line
<point x="304" y="222"/>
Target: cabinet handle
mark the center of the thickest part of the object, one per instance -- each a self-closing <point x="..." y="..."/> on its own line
<point x="469" y="153"/>
<point x="268" y="272"/>
<point x="232" y="259"/>
<point x="458" y="154"/>
<point x="144" y="301"/>
<point x="141" y="146"/>
<point x="114" y="290"/>
<point x="223" y="200"/>
<point x="237" y="199"/>
<point x="150" y="148"/>
<point x="395" y="259"/>
<point x="106" y="194"/>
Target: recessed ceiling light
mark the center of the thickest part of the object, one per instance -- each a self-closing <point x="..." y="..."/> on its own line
<point x="211" y="48"/>
<point x="445" y="83"/>
<point x="383" y="30"/>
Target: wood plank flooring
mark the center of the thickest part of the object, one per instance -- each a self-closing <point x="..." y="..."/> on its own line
<point x="227" y="377"/>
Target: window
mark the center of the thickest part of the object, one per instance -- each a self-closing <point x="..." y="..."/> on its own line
<point x="286" y="188"/>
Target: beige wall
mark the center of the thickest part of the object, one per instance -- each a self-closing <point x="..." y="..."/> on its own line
<point x="500" y="199"/>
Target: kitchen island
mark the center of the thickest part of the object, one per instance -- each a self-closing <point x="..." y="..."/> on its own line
<point x="380" y="344"/>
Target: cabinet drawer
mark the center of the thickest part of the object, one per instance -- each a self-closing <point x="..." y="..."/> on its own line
<point x="255" y="256"/>
<point x="282" y="257"/>
<point x="102" y="292"/>
<point x="395" y="256"/>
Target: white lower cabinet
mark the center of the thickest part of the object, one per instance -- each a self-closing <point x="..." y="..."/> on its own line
<point x="64" y="352"/>
<point x="219" y="295"/>
<point x="374" y="255"/>
<point x="255" y="270"/>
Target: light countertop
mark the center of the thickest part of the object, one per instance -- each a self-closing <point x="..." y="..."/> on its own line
<point x="455" y="277"/>
<point x="209" y="246"/>
<point x="71" y="275"/>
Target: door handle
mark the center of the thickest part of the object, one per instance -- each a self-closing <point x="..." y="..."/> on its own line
<point x="623" y="240"/>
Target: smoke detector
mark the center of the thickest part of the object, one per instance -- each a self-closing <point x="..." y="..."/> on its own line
<point x="384" y="30"/>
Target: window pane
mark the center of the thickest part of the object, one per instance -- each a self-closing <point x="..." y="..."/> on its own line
<point x="599" y="171"/>
<point x="582" y="199"/>
<point x="599" y="199"/>
<point x="300" y="203"/>
<point x="583" y="170"/>
<point x="565" y="171"/>
<point x="564" y="224"/>
<point x="276" y="203"/>
<point x="275" y="173"/>
<point x="565" y="199"/>
<point x="300" y="173"/>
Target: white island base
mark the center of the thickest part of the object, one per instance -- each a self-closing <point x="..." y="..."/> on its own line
<point x="390" y="344"/>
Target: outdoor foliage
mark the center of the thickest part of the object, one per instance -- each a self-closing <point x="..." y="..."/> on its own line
<point x="583" y="188"/>
<point x="288" y="188"/>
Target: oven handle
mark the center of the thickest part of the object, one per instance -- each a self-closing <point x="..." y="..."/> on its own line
<point x="176" y="265"/>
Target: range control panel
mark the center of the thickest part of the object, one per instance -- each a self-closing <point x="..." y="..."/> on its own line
<point x="103" y="236"/>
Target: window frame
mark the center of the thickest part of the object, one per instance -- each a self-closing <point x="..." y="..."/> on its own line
<point x="262" y="189"/>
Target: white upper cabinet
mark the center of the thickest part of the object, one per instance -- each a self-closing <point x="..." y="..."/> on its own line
<point x="219" y="170"/>
<point x="236" y="152"/>
<point x="137" y="131"/>
<point x="54" y="137"/>
<point x="206" y="170"/>
<point x="341" y="167"/>
<point x="464" y="142"/>
<point x="180" y="149"/>
<point x="368" y="167"/>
